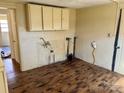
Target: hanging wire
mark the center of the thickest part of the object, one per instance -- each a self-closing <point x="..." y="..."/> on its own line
<point x="93" y="54"/>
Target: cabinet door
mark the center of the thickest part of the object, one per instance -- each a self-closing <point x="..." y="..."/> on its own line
<point x="57" y="17"/>
<point x="35" y="17"/>
<point x="47" y="18"/>
<point x="65" y="19"/>
<point x="2" y="83"/>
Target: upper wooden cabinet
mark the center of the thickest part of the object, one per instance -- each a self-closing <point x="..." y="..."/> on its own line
<point x="34" y="17"/>
<point x="57" y="18"/>
<point x="65" y="19"/>
<point x="47" y="18"/>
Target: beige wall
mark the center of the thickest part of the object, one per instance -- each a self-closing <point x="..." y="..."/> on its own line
<point x="32" y="54"/>
<point x="94" y="24"/>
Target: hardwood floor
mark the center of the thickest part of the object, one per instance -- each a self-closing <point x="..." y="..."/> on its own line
<point x="77" y="77"/>
<point x="11" y="66"/>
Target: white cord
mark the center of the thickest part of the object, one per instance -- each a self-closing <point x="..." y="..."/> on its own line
<point x="93" y="54"/>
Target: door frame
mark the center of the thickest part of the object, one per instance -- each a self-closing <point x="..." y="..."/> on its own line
<point x="11" y="33"/>
<point x="116" y="47"/>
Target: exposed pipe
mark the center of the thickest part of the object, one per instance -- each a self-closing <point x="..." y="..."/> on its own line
<point x="93" y="54"/>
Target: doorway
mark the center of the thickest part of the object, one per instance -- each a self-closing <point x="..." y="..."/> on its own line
<point x="9" y="48"/>
<point x="5" y="39"/>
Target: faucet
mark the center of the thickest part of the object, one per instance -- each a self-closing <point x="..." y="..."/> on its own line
<point x="46" y="43"/>
<point x="48" y="46"/>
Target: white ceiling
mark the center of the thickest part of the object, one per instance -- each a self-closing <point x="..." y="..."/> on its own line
<point x="66" y="3"/>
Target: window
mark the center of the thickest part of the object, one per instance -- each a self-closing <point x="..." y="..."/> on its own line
<point x="4" y="25"/>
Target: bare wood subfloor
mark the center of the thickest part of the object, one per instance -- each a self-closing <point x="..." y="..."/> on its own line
<point x="77" y="77"/>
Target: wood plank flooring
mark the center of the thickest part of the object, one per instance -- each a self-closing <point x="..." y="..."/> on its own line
<point x="77" y="77"/>
<point x="11" y="66"/>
